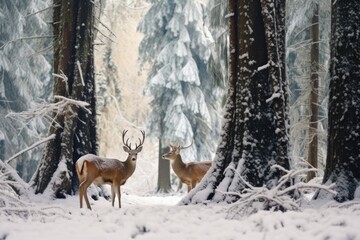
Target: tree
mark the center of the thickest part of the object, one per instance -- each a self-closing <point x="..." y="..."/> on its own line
<point x="342" y="162"/>
<point x="307" y="57"/>
<point x="25" y="78"/>
<point x="219" y="28"/>
<point x="314" y="95"/>
<point x="185" y="102"/>
<point x="255" y="131"/>
<point x="73" y="128"/>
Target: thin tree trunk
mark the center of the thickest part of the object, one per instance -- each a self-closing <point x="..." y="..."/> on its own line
<point x="164" y="185"/>
<point x="314" y="95"/>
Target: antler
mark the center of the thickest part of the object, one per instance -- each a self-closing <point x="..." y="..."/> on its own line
<point x="141" y="142"/>
<point x="181" y="148"/>
<point x="127" y="140"/>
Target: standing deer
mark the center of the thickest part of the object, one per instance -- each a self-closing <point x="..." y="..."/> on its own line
<point x="98" y="170"/>
<point x="189" y="173"/>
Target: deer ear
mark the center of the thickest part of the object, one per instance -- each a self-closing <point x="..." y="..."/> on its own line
<point x="139" y="149"/>
<point x="126" y="149"/>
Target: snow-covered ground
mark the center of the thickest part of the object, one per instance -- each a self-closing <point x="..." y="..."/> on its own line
<point x="158" y="217"/>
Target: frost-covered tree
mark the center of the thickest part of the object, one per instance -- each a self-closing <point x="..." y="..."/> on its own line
<point x="307" y="56"/>
<point x="255" y="132"/>
<point x="185" y="103"/>
<point x="108" y="88"/>
<point x="24" y="77"/>
<point x="343" y="162"/>
<point x="219" y="28"/>
<point x="73" y="128"/>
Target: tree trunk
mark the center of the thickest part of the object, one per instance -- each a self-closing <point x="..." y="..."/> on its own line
<point x="164" y="185"/>
<point x="255" y="130"/>
<point x="312" y="154"/>
<point x="74" y="127"/>
<point x="342" y="162"/>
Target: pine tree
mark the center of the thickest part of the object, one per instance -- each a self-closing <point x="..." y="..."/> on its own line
<point x="219" y="28"/>
<point x="185" y="99"/>
<point x="342" y="162"/>
<point x="74" y="128"/>
<point x="255" y="132"/>
<point x="25" y="78"/>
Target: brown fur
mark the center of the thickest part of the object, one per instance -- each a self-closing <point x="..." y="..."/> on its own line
<point x="189" y="173"/>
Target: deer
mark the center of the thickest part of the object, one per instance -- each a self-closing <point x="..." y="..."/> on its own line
<point x="189" y="173"/>
<point x="91" y="168"/>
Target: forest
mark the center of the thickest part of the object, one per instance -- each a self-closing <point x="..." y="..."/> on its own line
<point x="216" y="119"/>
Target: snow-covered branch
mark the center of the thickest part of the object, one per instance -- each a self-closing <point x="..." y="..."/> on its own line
<point x="26" y="38"/>
<point x="31" y="147"/>
<point x="43" y="109"/>
<point x="279" y="197"/>
<point x="42" y="10"/>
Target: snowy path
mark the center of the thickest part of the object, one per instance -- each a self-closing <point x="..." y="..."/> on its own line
<point x="155" y="218"/>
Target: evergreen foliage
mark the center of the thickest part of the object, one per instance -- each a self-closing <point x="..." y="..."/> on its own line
<point x="185" y="101"/>
<point x="24" y="77"/>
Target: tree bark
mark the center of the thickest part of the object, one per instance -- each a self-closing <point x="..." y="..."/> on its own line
<point x="312" y="154"/>
<point x="255" y="130"/>
<point x="74" y="127"/>
<point x="164" y="185"/>
<point x="342" y="162"/>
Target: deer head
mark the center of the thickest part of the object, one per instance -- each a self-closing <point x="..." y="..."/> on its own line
<point x="175" y="151"/>
<point x="127" y="147"/>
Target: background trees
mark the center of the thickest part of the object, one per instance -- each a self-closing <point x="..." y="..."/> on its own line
<point x="179" y="76"/>
<point x="25" y="72"/>
<point x="185" y="99"/>
<point x="255" y="133"/>
<point x="305" y="68"/>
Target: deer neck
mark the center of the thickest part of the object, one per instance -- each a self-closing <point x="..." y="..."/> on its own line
<point x="129" y="165"/>
<point x="178" y="165"/>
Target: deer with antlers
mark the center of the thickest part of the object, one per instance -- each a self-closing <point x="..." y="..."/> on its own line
<point x="189" y="173"/>
<point x="98" y="170"/>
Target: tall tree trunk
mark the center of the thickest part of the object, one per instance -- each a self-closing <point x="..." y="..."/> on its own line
<point x="74" y="128"/>
<point x="312" y="154"/>
<point x="343" y="162"/>
<point x="255" y="130"/>
<point x="164" y="185"/>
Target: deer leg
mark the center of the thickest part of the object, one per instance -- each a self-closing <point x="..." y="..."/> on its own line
<point x="83" y="193"/>
<point x="113" y="194"/>
<point x="189" y="187"/>
<point x="119" y="195"/>
<point x="193" y="184"/>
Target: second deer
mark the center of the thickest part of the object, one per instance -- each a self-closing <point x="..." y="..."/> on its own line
<point x="93" y="169"/>
<point x="189" y="173"/>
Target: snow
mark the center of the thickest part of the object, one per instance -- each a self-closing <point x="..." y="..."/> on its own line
<point x="159" y="217"/>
